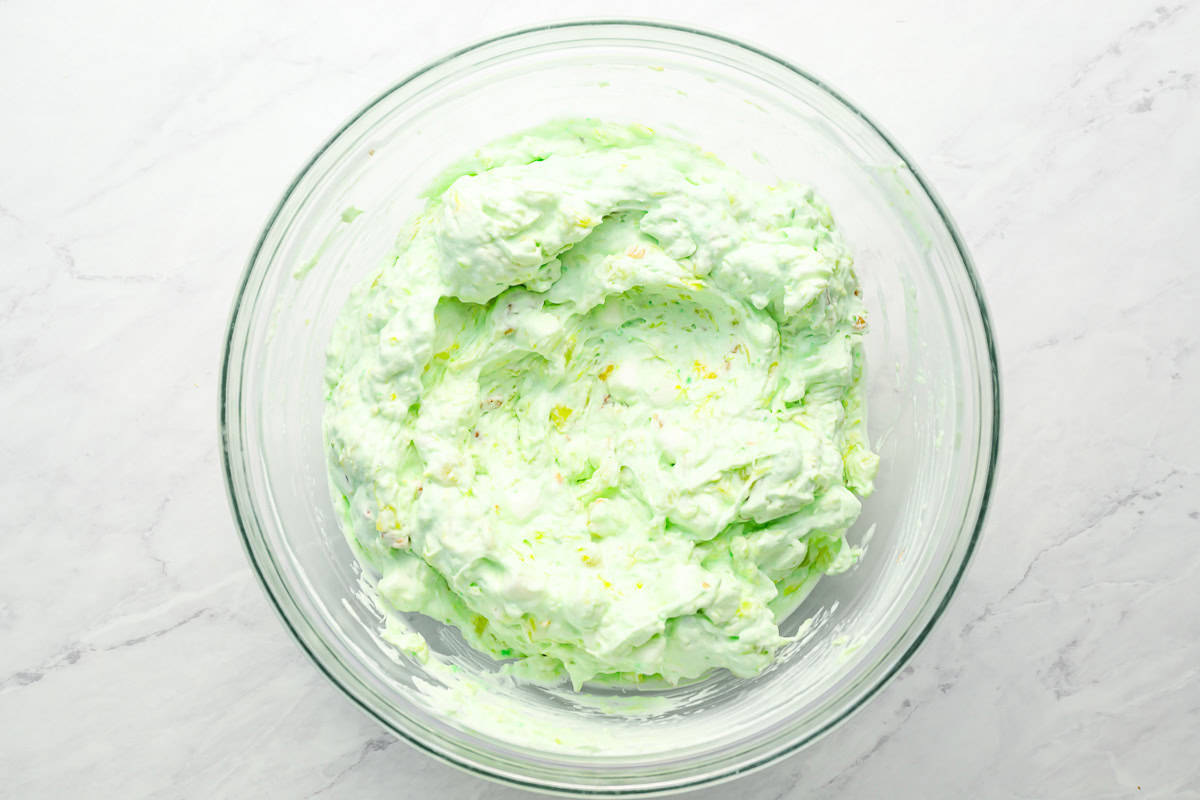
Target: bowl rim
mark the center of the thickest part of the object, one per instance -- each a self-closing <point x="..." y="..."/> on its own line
<point x="672" y="785"/>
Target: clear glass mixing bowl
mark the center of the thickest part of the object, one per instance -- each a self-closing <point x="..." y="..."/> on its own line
<point x="933" y="400"/>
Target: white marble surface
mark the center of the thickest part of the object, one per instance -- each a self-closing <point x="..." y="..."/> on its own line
<point x="142" y="144"/>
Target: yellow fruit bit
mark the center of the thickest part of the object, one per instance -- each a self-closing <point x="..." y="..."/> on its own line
<point x="559" y="416"/>
<point x="637" y="251"/>
<point x="638" y="585"/>
<point x="607" y="585"/>
<point x="584" y="222"/>
<point x="604" y="373"/>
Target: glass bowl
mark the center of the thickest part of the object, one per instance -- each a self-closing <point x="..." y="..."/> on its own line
<point x="933" y="402"/>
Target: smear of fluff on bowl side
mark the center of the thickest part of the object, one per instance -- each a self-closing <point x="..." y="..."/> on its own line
<point x="602" y="410"/>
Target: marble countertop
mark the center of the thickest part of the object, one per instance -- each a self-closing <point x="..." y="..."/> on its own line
<point x="143" y="144"/>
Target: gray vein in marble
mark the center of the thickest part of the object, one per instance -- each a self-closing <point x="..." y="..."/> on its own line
<point x="1149" y="492"/>
<point x="376" y="744"/>
<point x="78" y="651"/>
<point x="1161" y="16"/>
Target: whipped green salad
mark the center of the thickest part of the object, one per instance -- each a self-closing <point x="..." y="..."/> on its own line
<point x="602" y="409"/>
